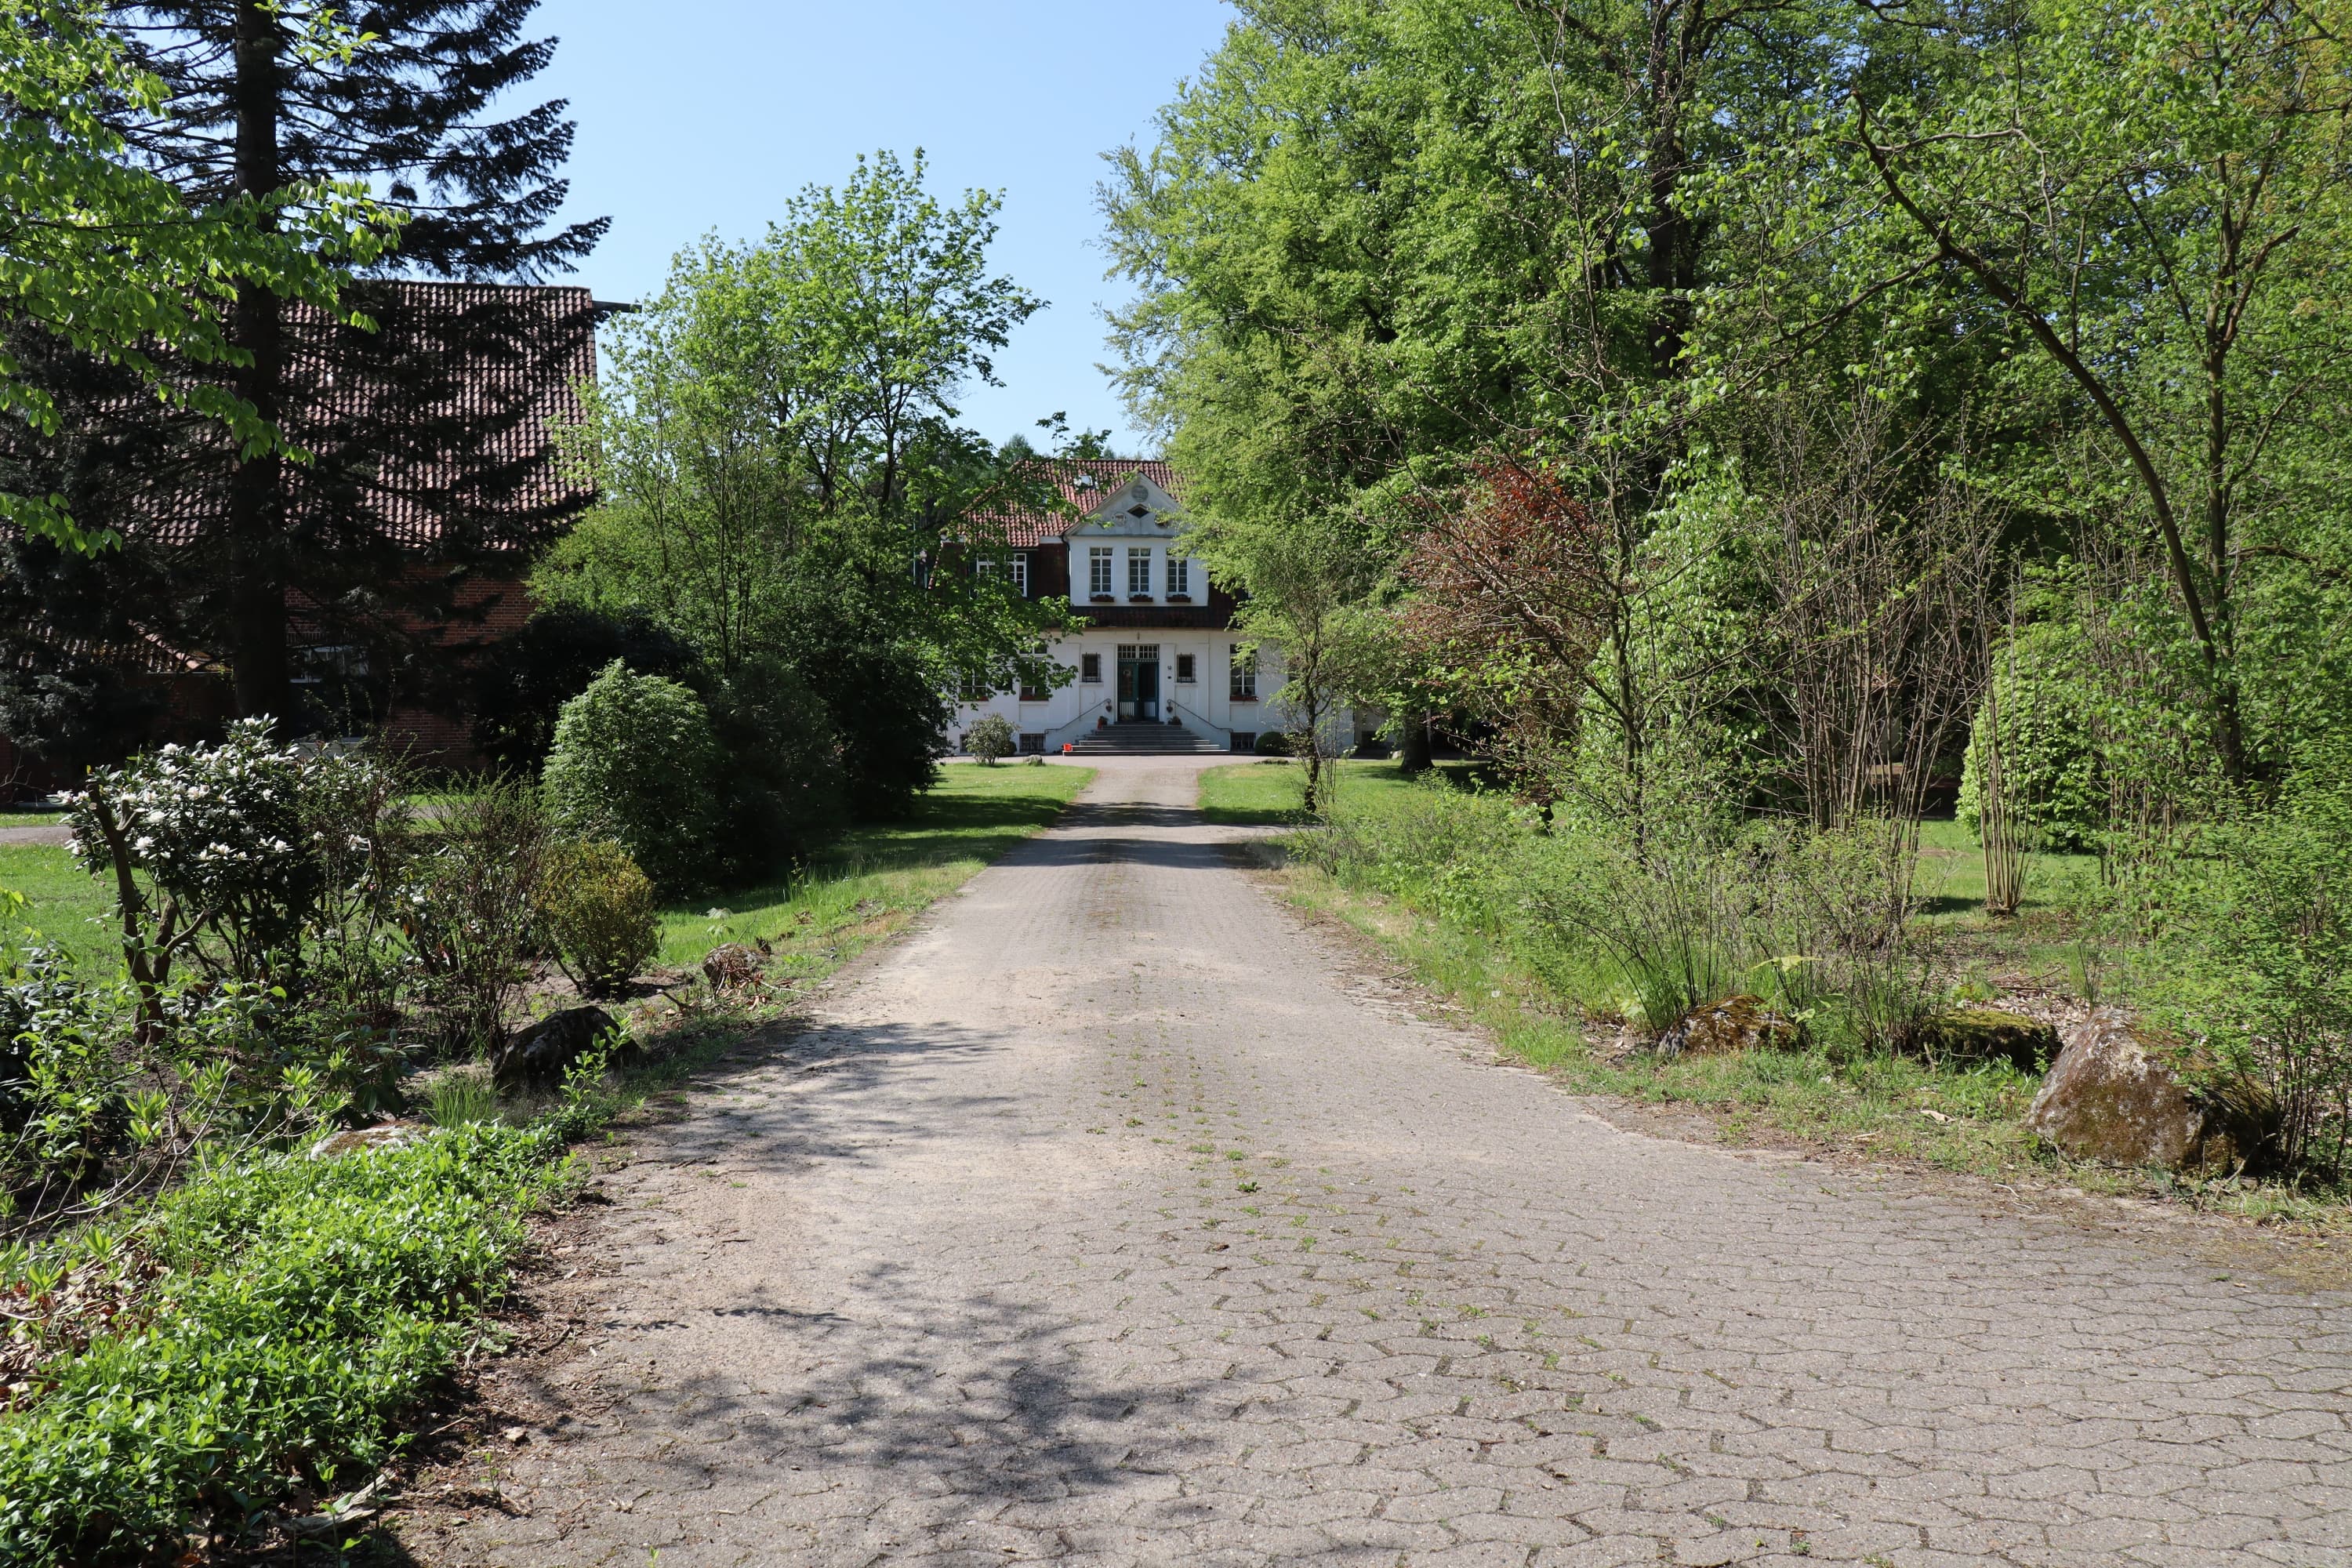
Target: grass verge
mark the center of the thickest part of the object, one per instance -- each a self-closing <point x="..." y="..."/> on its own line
<point x="878" y="878"/>
<point x="1873" y="1107"/>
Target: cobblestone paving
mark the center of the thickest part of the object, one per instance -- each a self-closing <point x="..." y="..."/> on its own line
<point x="1103" y="1221"/>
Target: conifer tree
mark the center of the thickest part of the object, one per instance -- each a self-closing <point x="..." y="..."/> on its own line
<point x="419" y="111"/>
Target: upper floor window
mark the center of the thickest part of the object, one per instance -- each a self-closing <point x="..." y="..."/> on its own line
<point x="1243" y="666"/>
<point x="1021" y="573"/>
<point x="1139" y="571"/>
<point x="1180" y="574"/>
<point x="1098" y="570"/>
<point x="1033" y="687"/>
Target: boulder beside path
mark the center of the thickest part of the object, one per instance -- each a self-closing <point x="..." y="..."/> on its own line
<point x="540" y="1053"/>
<point x="2108" y="1097"/>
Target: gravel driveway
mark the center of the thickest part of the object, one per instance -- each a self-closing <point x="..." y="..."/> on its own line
<point x="1104" y="1220"/>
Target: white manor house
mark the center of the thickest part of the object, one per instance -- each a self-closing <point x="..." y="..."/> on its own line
<point x="1159" y="666"/>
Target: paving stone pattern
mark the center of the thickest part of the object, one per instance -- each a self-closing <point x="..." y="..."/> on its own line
<point x="1106" y="1221"/>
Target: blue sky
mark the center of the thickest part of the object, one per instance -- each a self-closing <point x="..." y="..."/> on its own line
<point x="702" y="115"/>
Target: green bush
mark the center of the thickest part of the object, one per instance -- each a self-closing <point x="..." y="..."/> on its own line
<point x="2257" y="941"/>
<point x="598" y="909"/>
<point x="1274" y="743"/>
<point x="782" y="794"/>
<point x="2057" y="790"/>
<point x="990" y="738"/>
<point x="635" y="761"/>
<point x="279" y="1315"/>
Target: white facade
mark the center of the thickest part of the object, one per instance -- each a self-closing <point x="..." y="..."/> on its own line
<point x="1126" y="563"/>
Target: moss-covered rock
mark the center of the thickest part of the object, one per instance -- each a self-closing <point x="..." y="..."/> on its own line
<point x="1723" y="1028"/>
<point x="1974" y="1035"/>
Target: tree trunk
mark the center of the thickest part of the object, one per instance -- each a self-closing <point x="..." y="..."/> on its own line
<point x="1413" y="745"/>
<point x="255" y="535"/>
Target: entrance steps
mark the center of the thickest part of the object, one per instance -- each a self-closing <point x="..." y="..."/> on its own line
<point x="1143" y="737"/>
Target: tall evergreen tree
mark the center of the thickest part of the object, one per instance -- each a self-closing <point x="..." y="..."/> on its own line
<point x="260" y="97"/>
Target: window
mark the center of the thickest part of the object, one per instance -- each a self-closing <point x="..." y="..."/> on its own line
<point x="1021" y="573"/>
<point x="976" y="687"/>
<point x="1033" y="687"/>
<point x="1243" y="741"/>
<point x="1184" y="670"/>
<point x="1032" y="743"/>
<point x="1179" y="575"/>
<point x="1243" y="666"/>
<point x="1139" y="571"/>
<point x="1098" y="570"/>
<point x="1091" y="669"/>
<point x="985" y="570"/>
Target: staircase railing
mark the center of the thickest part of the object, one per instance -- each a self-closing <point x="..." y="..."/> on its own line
<point x="1214" y="731"/>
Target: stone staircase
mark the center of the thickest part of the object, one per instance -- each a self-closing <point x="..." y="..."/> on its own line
<point x="1144" y="737"/>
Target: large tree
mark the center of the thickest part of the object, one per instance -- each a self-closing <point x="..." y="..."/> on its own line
<point x="783" y="475"/>
<point x="253" y="105"/>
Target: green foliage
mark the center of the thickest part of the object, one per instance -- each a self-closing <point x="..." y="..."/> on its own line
<point x="781" y="792"/>
<point x="784" y="478"/>
<point x="113" y="259"/>
<point x="466" y="905"/>
<point x="522" y="681"/>
<point x="1822" y="926"/>
<point x="990" y="738"/>
<point x="2260" y="947"/>
<point x="599" y="911"/>
<point x="2049" y="763"/>
<point x="283" y="1313"/>
<point x="635" y="761"/>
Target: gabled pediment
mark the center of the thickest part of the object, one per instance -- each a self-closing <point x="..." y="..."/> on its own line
<point x="1136" y="509"/>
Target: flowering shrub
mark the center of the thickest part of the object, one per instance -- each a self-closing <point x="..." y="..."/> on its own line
<point x="222" y="831"/>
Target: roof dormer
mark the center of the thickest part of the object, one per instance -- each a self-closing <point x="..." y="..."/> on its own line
<point x="1138" y="509"/>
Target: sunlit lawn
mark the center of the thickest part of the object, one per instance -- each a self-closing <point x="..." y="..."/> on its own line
<point x="865" y="887"/>
<point x="65" y="907"/>
<point x="1267" y="793"/>
<point x="877" y="877"/>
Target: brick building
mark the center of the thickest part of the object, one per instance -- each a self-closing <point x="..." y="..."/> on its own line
<point x="458" y="487"/>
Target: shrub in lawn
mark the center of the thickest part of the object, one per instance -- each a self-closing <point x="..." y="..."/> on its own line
<point x="598" y="910"/>
<point x="635" y="761"/>
<point x="2049" y="768"/>
<point x="990" y="738"/>
<point x="278" y="1316"/>
<point x="521" y="684"/>
<point x="467" y="902"/>
<point x="781" y="790"/>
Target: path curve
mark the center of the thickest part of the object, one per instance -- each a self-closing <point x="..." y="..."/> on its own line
<point x="1101" y="1221"/>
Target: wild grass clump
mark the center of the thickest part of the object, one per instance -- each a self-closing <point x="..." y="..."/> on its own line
<point x="1644" y="928"/>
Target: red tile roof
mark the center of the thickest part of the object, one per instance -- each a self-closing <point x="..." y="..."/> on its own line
<point x="475" y="454"/>
<point x="1085" y="483"/>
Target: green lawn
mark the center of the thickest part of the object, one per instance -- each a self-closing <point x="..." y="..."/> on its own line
<point x="62" y="900"/>
<point x="1267" y="793"/>
<point x="32" y="819"/>
<point x="878" y="878"/>
<point x="867" y="886"/>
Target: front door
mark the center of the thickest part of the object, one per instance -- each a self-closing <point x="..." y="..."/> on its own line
<point x="1139" y="680"/>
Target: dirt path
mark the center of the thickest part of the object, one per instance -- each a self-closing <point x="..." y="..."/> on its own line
<point x="1101" y="1221"/>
